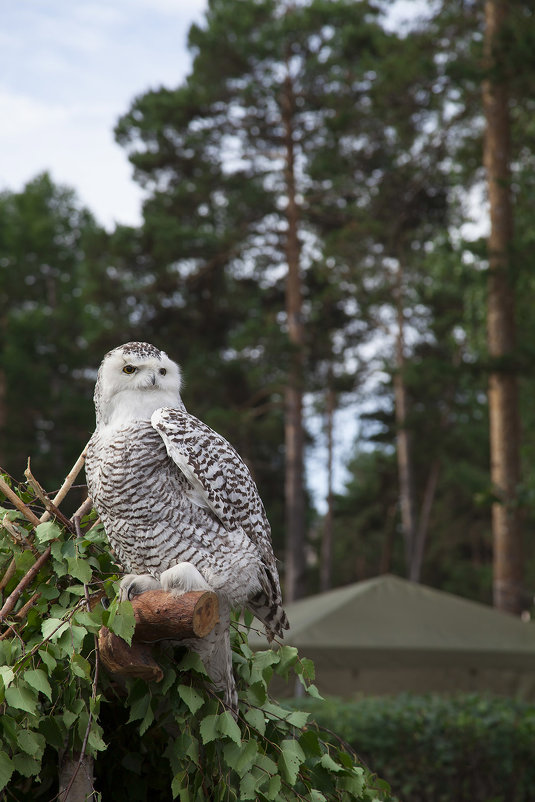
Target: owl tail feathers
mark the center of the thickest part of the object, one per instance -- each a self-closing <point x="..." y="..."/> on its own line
<point x="271" y="614"/>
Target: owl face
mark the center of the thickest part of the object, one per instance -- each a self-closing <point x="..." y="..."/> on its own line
<point x="135" y="379"/>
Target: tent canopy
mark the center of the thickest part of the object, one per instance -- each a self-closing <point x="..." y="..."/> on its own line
<point x="388" y="625"/>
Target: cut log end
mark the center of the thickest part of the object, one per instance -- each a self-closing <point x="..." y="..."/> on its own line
<point x="160" y="615"/>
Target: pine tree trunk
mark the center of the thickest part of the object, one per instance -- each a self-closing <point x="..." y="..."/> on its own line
<point x="503" y="391"/>
<point x="403" y="438"/>
<point x="294" y="437"/>
<point x="327" y="539"/>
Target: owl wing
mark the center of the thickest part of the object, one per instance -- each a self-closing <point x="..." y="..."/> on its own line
<point x="216" y="472"/>
<point x="222" y="483"/>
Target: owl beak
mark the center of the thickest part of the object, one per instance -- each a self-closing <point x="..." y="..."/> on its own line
<point x="153" y="379"/>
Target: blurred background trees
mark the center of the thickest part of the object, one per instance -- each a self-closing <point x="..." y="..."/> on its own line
<point x="308" y="244"/>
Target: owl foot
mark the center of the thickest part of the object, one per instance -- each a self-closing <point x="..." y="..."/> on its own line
<point x="134" y="584"/>
<point x="182" y="578"/>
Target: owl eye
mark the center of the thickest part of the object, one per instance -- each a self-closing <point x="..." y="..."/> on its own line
<point x="129" y="369"/>
<point x="162" y="371"/>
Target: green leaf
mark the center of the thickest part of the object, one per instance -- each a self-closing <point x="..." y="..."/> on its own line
<point x="273" y="788"/>
<point x="47" y="531"/>
<point x="266" y="764"/>
<point x="208" y="729"/>
<point x="80" y="666"/>
<point x="72" y="638"/>
<point x="353" y="785"/>
<point x="53" y="628"/>
<point x="248" y="785"/>
<point x="297" y="719"/>
<point x="121" y="620"/>
<point x="6" y="769"/>
<point x="49" y="661"/>
<point x="148" y="718"/>
<point x="241" y="758"/>
<point x="193" y="699"/>
<point x="192" y="662"/>
<point x="91" y="620"/>
<point x="227" y="726"/>
<point x="317" y="796"/>
<point x="37" y="679"/>
<point x="257" y="694"/>
<point x="95" y="740"/>
<point x="313" y="691"/>
<point x="263" y="665"/>
<point x="10" y="728"/>
<point x="79" y="569"/>
<point x="32" y="743"/>
<point x="309" y="671"/>
<point x="255" y="718"/>
<point x="69" y="717"/>
<point x="52" y="731"/>
<point x="328" y="763"/>
<point x="138" y="708"/>
<point x="179" y="786"/>
<point x="26" y="765"/>
<point x="287" y="657"/>
<point x="167" y="682"/>
<point x="7" y="675"/>
<point x="290" y="760"/>
<point x="22" y="697"/>
<point x="310" y="744"/>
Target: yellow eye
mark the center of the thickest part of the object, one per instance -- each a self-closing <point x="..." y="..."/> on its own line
<point x="129" y="369"/>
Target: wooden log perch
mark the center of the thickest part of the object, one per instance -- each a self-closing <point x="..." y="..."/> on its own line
<point x="159" y="616"/>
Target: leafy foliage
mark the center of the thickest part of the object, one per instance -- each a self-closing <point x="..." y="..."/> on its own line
<point x="466" y="748"/>
<point x="55" y="697"/>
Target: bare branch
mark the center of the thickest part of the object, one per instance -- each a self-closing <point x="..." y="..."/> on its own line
<point x="18" y="535"/>
<point x="23" y="584"/>
<point x="42" y="496"/>
<point x="12" y="567"/>
<point x="67" y="484"/>
<point x="18" y="503"/>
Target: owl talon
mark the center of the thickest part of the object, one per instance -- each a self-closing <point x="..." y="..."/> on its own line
<point x="182" y="578"/>
<point x="134" y="584"/>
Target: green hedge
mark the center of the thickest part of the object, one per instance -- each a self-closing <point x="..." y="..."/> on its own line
<point x="436" y="749"/>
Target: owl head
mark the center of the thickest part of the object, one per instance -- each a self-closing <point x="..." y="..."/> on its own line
<point x="133" y="380"/>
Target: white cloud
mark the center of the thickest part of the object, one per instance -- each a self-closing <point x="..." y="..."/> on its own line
<point x="22" y="115"/>
<point x="68" y="72"/>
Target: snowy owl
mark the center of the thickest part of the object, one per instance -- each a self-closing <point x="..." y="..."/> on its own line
<point x="179" y="506"/>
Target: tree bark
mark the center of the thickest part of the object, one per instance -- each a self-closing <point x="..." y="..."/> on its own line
<point x="403" y="438"/>
<point x="295" y="560"/>
<point x="327" y="539"/>
<point x="502" y="390"/>
<point x="76" y="779"/>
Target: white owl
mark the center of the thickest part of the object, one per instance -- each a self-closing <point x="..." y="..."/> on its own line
<point x="179" y="506"/>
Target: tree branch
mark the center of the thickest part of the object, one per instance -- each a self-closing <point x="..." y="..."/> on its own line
<point x="51" y="508"/>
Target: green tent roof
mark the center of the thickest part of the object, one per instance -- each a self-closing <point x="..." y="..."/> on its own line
<point x="385" y="619"/>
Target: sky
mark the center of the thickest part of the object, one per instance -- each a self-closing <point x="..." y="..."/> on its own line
<point x="68" y="70"/>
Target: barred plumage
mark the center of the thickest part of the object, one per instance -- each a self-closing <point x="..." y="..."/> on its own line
<point x="177" y="502"/>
